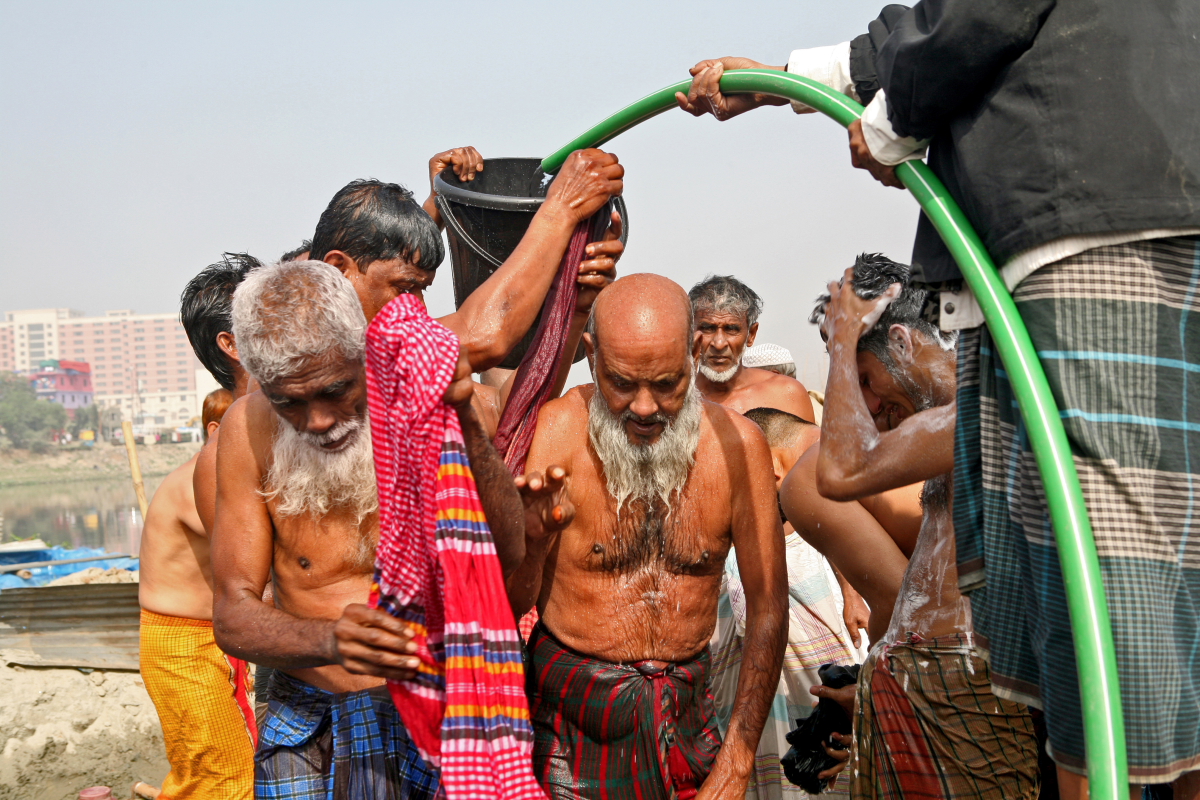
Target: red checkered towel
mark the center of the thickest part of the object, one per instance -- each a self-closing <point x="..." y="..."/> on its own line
<point x="437" y="569"/>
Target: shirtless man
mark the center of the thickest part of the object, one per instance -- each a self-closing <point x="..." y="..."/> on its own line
<point x="662" y="483"/>
<point x="331" y="652"/>
<point x="926" y="719"/>
<point x="868" y="540"/>
<point x="726" y="312"/>
<point x="201" y="695"/>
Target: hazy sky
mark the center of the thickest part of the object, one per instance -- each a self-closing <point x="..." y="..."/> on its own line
<point x="140" y="140"/>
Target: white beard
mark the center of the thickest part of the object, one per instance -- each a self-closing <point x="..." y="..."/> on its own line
<point x="718" y="377"/>
<point x="642" y="472"/>
<point x="309" y="480"/>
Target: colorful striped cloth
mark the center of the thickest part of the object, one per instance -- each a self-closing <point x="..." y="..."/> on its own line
<point x="816" y="635"/>
<point x="1113" y="328"/>
<point x="929" y="728"/>
<point x="436" y="568"/>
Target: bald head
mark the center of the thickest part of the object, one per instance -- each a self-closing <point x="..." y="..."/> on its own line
<point x="639" y="343"/>
<point x="643" y="308"/>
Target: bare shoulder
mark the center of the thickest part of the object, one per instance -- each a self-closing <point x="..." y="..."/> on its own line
<point x="177" y="486"/>
<point x="784" y="393"/>
<point x="561" y="429"/>
<point x="249" y="422"/>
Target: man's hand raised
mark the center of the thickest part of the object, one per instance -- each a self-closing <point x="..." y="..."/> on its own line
<point x="367" y="641"/>
<point x="849" y="316"/>
<point x="465" y="161"/>
<point x="600" y="268"/>
<point x="705" y="97"/>
<point x="548" y="509"/>
<point x="586" y="181"/>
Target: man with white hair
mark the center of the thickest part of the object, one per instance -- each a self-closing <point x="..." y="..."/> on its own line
<point x="297" y="506"/>
<point x="662" y="483"/>
<point x="726" y="321"/>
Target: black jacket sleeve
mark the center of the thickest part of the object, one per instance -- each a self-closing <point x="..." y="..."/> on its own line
<point x="864" y="50"/>
<point x="942" y="56"/>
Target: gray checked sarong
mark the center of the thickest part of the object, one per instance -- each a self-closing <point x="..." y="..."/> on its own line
<point x="1118" y="332"/>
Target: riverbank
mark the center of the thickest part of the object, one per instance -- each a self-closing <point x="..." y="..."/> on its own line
<point x="64" y="730"/>
<point x="76" y="463"/>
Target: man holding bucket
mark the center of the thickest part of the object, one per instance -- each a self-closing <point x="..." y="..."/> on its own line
<point x="1066" y="132"/>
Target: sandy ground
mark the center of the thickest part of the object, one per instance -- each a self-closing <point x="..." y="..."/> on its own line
<point x="64" y="730"/>
<point x="76" y="463"/>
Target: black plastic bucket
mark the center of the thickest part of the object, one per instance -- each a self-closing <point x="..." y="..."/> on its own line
<point x="485" y="220"/>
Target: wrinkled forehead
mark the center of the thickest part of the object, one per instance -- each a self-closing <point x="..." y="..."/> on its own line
<point x="310" y="375"/>
<point x="645" y="358"/>
<point x="719" y="318"/>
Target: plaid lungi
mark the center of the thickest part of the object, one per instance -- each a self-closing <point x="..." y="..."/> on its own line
<point x="317" y="745"/>
<point x="202" y="701"/>
<point x="605" y="731"/>
<point x="816" y="635"/>
<point x="928" y="727"/>
<point x="1113" y="329"/>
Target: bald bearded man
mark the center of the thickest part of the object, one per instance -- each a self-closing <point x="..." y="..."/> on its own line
<point x="662" y="483"/>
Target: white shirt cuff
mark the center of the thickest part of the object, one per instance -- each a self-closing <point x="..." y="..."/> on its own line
<point x="885" y="145"/>
<point x="826" y="65"/>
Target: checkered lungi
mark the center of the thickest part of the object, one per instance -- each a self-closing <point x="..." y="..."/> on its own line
<point x="928" y="727"/>
<point x="605" y="731"/>
<point x="1113" y="327"/>
<point x="317" y="745"/>
<point x="202" y="698"/>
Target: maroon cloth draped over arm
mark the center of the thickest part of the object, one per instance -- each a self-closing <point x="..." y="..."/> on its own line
<point x="538" y="369"/>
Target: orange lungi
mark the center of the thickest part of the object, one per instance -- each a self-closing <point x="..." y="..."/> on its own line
<point x="202" y="699"/>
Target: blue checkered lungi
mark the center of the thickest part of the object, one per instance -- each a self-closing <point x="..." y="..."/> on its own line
<point x="317" y="745"/>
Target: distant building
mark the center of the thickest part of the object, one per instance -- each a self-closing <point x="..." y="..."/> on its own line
<point x="141" y="364"/>
<point x="68" y="383"/>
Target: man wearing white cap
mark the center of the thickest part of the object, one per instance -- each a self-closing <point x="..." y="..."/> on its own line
<point x="771" y="357"/>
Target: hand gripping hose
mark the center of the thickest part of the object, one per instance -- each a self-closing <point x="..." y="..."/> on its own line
<point x="1104" y="727"/>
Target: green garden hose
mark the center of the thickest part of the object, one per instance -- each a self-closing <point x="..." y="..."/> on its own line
<point x="1104" y="727"/>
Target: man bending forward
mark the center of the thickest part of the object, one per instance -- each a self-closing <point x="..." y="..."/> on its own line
<point x="662" y="483"/>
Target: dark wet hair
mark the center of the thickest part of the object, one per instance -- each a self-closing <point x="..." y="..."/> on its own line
<point x="292" y="255"/>
<point x="873" y="274"/>
<point x="370" y="220"/>
<point x="206" y="309"/>
<point x="725" y="293"/>
<point x="781" y="428"/>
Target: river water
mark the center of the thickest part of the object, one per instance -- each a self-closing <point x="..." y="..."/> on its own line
<point x="101" y="513"/>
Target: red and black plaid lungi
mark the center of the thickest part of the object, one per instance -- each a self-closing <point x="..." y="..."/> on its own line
<point x="606" y="731"/>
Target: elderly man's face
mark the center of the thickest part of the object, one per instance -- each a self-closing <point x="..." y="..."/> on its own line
<point x="325" y="401"/>
<point x="384" y="281"/>
<point x="643" y="383"/>
<point x="722" y="338"/>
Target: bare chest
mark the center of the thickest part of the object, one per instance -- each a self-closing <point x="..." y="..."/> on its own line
<point x="690" y="535"/>
<point x="311" y="552"/>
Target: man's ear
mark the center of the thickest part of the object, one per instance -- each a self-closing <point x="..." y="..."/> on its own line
<point x="778" y="466"/>
<point x="228" y="345"/>
<point x="901" y="342"/>
<point x="751" y="333"/>
<point x="345" y="264"/>
<point x="696" y="346"/>
<point x="589" y="348"/>
<point x="212" y="427"/>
